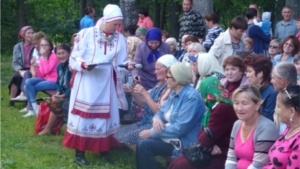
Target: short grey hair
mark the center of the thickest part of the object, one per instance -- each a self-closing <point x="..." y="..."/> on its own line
<point x="287" y="71"/>
<point x="197" y="46"/>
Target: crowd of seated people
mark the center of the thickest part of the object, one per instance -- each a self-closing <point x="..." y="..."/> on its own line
<point x="248" y="97"/>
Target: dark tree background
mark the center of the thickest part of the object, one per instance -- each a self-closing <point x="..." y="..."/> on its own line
<point x="59" y="19"/>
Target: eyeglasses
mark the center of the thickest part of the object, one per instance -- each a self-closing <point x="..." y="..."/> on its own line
<point x="274" y="47"/>
<point x="44" y="45"/>
<point x="169" y="77"/>
<point x="287" y="93"/>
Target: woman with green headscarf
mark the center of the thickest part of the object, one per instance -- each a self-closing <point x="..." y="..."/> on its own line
<point x="219" y="118"/>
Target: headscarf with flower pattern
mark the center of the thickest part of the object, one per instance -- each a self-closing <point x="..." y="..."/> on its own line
<point x="212" y="92"/>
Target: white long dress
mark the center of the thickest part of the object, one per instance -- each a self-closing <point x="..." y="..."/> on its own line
<point x="96" y="95"/>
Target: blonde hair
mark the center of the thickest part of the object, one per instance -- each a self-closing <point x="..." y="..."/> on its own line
<point x="197" y="46"/>
<point x="38" y="35"/>
<point x="251" y="90"/>
<point x="207" y="63"/>
<point x="184" y="37"/>
<point x="132" y="43"/>
<point x="249" y="41"/>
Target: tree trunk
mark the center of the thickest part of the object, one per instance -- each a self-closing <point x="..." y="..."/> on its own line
<point x="129" y="10"/>
<point x="89" y="3"/>
<point x="174" y="19"/>
<point x="156" y="11"/>
<point x="295" y="5"/>
<point x="20" y="14"/>
<point x="204" y="7"/>
<point x="278" y="16"/>
<point x="162" y="15"/>
<point x="82" y="7"/>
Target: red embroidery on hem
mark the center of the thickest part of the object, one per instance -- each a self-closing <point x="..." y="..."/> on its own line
<point x="91" y="115"/>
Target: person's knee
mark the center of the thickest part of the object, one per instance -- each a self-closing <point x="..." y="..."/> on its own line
<point x="27" y="74"/>
<point x="143" y="144"/>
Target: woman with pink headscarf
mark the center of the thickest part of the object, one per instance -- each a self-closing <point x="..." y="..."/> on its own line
<point x="96" y="88"/>
<point x="21" y="61"/>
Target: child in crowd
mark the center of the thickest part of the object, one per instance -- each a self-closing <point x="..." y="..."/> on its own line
<point x="297" y="65"/>
<point x="266" y="24"/>
<point x="164" y="35"/>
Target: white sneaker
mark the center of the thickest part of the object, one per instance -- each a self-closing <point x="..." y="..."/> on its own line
<point x="30" y="113"/>
<point x="20" y="98"/>
<point x="23" y="110"/>
<point x="36" y="111"/>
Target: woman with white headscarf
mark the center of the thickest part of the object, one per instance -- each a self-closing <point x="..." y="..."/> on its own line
<point x="150" y="100"/>
<point x="96" y="88"/>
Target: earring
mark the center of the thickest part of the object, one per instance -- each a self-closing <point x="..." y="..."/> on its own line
<point x="291" y="120"/>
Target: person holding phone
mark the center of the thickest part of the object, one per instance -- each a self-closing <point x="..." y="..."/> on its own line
<point x="147" y="54"/>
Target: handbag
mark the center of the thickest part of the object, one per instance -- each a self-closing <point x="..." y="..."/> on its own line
<point x="199" y="155"/>
<point x="43" y="117"/>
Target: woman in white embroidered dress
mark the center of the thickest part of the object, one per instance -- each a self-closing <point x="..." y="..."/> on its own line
<point x="94" y="101"/>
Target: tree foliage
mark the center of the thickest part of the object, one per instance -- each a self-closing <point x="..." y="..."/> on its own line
<point x="60" y="19"/>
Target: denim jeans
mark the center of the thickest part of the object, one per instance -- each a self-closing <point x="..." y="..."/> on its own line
<point x="148" y="149"/>
<point x="33" y="85"/>
<point x="26" y="76"/>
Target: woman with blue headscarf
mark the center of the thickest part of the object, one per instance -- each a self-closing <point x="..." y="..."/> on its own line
<point x="147" y="54"/>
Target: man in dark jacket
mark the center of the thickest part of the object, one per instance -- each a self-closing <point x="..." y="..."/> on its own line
<point x="191" y="23"/>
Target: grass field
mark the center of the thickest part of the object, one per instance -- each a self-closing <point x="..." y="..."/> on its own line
<point x="22" y="149"/>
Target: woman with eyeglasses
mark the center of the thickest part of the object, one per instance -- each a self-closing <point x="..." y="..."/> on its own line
<point x="274" y="48"/>
<point x="218" y="118"/>
<point x="290" y="48"/>
<point x="285" y="152"/>
<point x="46" y="76"/>
<point x="176" y="123"/>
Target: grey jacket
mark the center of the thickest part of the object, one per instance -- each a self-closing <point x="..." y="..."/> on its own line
<point x="264" y="137"/>
<point x="18" y="61"/>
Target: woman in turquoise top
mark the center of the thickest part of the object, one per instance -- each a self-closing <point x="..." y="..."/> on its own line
<point x="290" y="48"/>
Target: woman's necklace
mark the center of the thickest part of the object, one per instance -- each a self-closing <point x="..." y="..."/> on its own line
<point x="289" y="133"/>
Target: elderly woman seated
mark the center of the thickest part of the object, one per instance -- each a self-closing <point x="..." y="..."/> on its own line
<point x="150" y="101"/>
<point x="176" y="123"/>
<point x="218" y="118"/>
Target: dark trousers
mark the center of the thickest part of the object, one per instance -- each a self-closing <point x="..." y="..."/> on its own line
<point x="146" y="151"/>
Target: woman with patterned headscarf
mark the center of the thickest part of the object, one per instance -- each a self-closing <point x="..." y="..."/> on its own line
<point x="218" y="118"/>
<point x="97" y="92"/>
<point x="22" y="54"/>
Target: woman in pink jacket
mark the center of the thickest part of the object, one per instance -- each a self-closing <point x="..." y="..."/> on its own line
<point x="144" y="19"/>
<point x="46" y="76"/>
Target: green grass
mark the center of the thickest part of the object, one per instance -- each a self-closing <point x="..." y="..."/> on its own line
<point x="22" y="149"/>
